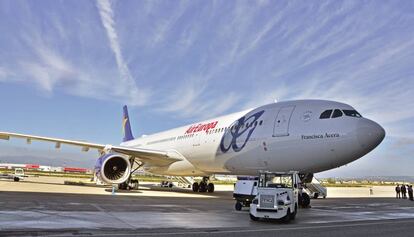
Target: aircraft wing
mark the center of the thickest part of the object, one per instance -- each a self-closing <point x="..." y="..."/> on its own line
<point x="150" y="156"/>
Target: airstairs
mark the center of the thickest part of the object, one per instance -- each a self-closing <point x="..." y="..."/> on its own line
<point x="185" y="182"/>
<point x="315" y="189"/>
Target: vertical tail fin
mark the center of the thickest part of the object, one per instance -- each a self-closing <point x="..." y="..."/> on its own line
<point x="126" y="126"/>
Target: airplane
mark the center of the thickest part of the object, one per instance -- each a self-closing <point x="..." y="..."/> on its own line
<point x="307" y="136"/>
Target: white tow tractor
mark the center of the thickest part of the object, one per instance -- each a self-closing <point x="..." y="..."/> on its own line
<point x="245" y="190"/>
<point x="277" y="196"/>
<point x="17" y="176"/>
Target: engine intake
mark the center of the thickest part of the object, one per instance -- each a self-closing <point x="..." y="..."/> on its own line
<point x="113" y="168"/>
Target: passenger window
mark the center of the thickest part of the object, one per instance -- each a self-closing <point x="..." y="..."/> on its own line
<point x="337" y="113"/>
<point x="326" y="114"/>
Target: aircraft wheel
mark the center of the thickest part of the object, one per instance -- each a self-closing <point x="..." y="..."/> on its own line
<point x="134" y="184"/>
<point x="253" y="218"/>
<point x="238" y="206"/>
<point x="202" y="187"/>
<point x="210" y="188"/>
<point x="122" y="186"/>
<point x="195" y="187"/>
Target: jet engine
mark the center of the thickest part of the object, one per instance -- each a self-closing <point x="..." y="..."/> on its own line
<point x="113" y="168"/>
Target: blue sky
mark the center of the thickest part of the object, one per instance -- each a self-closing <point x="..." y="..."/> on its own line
<point x="67" y="67"/>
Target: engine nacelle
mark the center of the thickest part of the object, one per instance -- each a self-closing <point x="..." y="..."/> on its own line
<point x="113" y="168"/>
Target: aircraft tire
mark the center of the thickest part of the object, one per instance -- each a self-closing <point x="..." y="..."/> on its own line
<point x="210" y="188"/>
<point x="195" y="187"/>
<point x="202" y="187"/>
<point x="134" y="184"/>
<point x="123" y="186"/>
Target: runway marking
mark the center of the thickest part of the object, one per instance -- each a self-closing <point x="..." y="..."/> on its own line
<point x="215" y="231"/>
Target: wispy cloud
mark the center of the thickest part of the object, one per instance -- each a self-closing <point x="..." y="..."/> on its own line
<point x="183" y="99"/>
<point x="4" y="73"/>
<point x="165" y="25"/>
<point x="194" y="101"/>
<point x="49" y="69"/>
<point x="138" y="97"/>
<point x="193" y="61"/>
<point x="63" y="51"/>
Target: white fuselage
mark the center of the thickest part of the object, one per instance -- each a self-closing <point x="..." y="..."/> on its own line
<point x="282" y="136"/>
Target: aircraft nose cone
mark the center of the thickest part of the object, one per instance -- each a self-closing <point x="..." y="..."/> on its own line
<point x="370" y="134"/>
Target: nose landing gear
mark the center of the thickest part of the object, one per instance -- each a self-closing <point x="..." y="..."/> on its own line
<point x="203" y="186"/>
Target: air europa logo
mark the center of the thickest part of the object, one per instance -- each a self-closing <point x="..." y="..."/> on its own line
<point x="239" y="135"/>
<point x="201" y="127"/>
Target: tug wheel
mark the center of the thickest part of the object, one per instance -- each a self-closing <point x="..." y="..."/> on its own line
<point x="293" y="214"/>
<point x="253" y="218"/>
<point x="288" y="216"/>
<point x="238" y="206"/>
<point x="305" y="200"/>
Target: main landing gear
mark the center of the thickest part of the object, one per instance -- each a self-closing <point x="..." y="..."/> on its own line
<point x="131" y="184"/>
<point x="203" y="186"/>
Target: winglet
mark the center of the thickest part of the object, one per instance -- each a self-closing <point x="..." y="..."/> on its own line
<point x="126" y="126"/>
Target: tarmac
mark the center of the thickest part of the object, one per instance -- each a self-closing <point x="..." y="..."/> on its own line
<point x="47" y="207"/>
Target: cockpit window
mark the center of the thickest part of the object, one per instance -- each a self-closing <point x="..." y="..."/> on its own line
<point x="326" y="114"/>
<point x="337" y="113"/>
<point x="352" y="113"/>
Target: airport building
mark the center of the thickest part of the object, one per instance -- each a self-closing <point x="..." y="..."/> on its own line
<point x="45" y="168"/>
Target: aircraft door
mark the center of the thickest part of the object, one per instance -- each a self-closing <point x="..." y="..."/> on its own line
<point x="282" y="121"/>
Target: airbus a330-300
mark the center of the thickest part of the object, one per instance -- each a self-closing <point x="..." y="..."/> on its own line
<point x="308" y="136"/>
